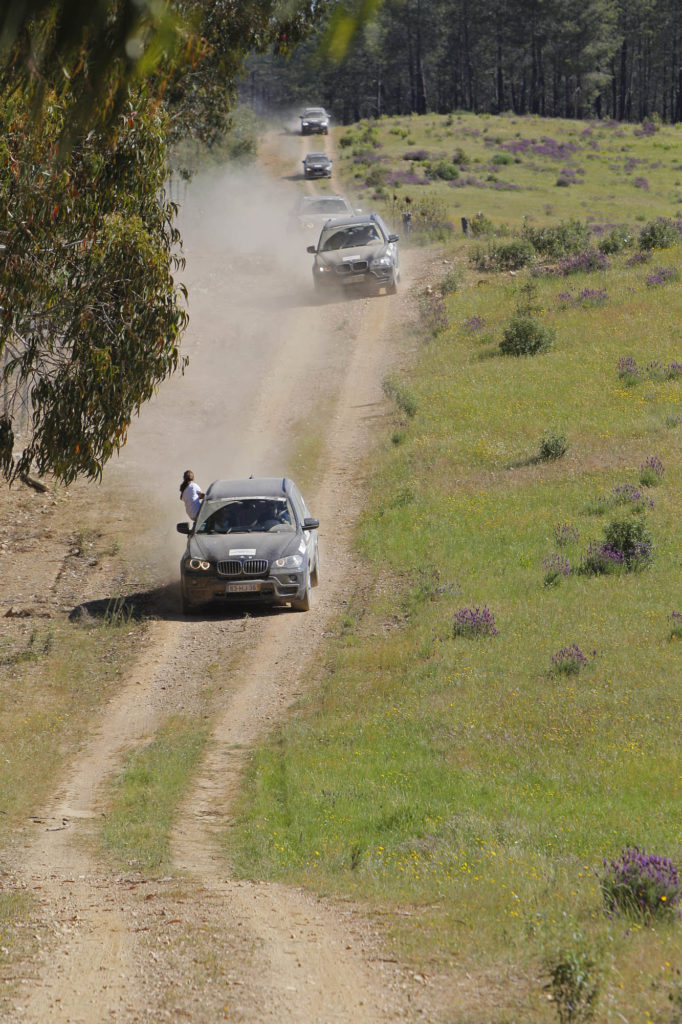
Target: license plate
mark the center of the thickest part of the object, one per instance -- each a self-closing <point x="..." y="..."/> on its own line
<point x="242" y="588"/>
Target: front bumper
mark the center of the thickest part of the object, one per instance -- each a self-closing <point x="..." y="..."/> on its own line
<point x="318" y="172"/>
<point x="340" y="278"/>
<point x="313" y="129"/>
<point x="209" y="588"/>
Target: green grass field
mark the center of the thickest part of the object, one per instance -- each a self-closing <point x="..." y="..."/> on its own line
<point x="466" y="778"/>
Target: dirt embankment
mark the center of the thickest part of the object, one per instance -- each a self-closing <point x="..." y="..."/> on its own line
<point x="270" y="368"/>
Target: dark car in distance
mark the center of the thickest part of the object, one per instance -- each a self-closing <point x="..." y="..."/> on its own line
<point x="253" y="541"/>
<point x="356" y="251"/>
<point x="314" y="121"/>
<point x="317" y="165"/>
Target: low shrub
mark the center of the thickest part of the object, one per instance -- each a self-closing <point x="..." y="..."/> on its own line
<point x="676" y="625"/>
<point x="450" y="283"/>
<point x="565" y="239"/>
<point x="574" y="984"/>
<point x="618" y="239"/>
<point x="640" y="884"/>
<point x="434" y="313"/>
<point x="402" y="395"/>
<point x="553" y="446"/>
<point x="502" y="158"/>
<point x="524" y="335"/>
<point x="442" y="170"/>
<point x="661" y="233"/>
<point x="481" y="225"/>
<point x="626" y="547"/>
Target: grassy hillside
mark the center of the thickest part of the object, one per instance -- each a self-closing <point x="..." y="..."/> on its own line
<point x="474" y="769"/>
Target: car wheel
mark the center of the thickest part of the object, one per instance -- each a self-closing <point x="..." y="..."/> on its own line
<point x="302" y="604"/>
<point x="188" y="607"/>
<point x="392" y="286"/>
<point x="315" y="574"/>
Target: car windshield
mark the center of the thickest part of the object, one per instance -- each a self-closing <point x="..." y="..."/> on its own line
<point x="248" y="515"/>
<point x="326" y="206"/>
<point x="315" y="112"/>
<point x="317" y="156"/>
<point x="349" y="237"/>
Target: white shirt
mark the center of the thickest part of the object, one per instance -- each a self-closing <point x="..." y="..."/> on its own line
<point x="191" y="498"/>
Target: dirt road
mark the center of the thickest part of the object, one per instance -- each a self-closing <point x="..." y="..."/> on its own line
<point x="270" y="369"/>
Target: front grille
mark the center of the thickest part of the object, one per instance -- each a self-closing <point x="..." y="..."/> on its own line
<point x="255" y="567"/>
<point x="357" y="267"/>
<point x="251" y="567"/>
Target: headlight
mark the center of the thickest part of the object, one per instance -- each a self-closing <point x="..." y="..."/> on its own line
<point x="382" y="261"/>
<point x="289" y="562"/>
<point x="197" y="563"/>
<point x="322" y="269"/>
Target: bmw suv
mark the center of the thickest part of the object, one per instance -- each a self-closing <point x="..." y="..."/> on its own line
<point x="356" y="251"/>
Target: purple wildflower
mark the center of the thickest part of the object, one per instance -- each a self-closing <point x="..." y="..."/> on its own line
<point x="474" y="622"/>
<point x="676" y="625"/>
<point x="651" y="471"/>
<point x="569" y="660"/>
<point x="642" y="183"/>
<point x="592" y="296"/>
<point x="673" y="371"/>
<point x="662" y="275"/>
<point x="555" y="567"/>
<point x="474" y="323"/>
<point x="640" y="884"/>
<point x="564" y="533"/>
<point x="628" y="494"/>
<point x="628" y="371"/>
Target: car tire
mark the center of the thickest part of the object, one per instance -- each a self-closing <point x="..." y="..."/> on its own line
<point x="188" y="607"/>
<point x="392" y="286"/>
<point x="302" y="604"/>
<point x="315" y="574"/>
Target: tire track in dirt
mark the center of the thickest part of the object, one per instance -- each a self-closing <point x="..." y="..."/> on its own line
<point x="301" y="959"/>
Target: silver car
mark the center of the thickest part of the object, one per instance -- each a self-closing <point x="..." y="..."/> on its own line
<point x="312" y="212"/>
<point x="253" y="541"/>
<point x="356" y="251"/>
<point x="314" y="120"/>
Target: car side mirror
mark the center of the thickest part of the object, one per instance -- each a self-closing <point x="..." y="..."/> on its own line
<point x="393" y="238"/>
<point x="311" y="249"/>
<point x="184" y="528"/>
<point x="311" y="524"/>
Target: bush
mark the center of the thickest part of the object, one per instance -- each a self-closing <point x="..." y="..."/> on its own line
<point x="640" y="884"/>
<point x="480" y="225"/>
<point x="442" y="170"/>
<point x="618" y="239"/>
<point x="402" y="395"/>
<point x="524" y="335"/>
<point x="553" y="446"/>
<point x="514" y="254"/>
<point x="555" y="242"/>
<point x="574" y="984"/>
<point x="659" y="234"/>
<point x="502" y="158"/>
<point x="450" y="283"/>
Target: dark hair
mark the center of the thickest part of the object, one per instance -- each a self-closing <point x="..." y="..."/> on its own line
<point x="187" y="478"/>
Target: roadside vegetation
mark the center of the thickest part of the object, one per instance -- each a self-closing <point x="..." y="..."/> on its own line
<point x="490" y="757"/>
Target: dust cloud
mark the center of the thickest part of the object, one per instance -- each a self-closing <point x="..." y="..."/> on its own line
<point x="250" y="298"/>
